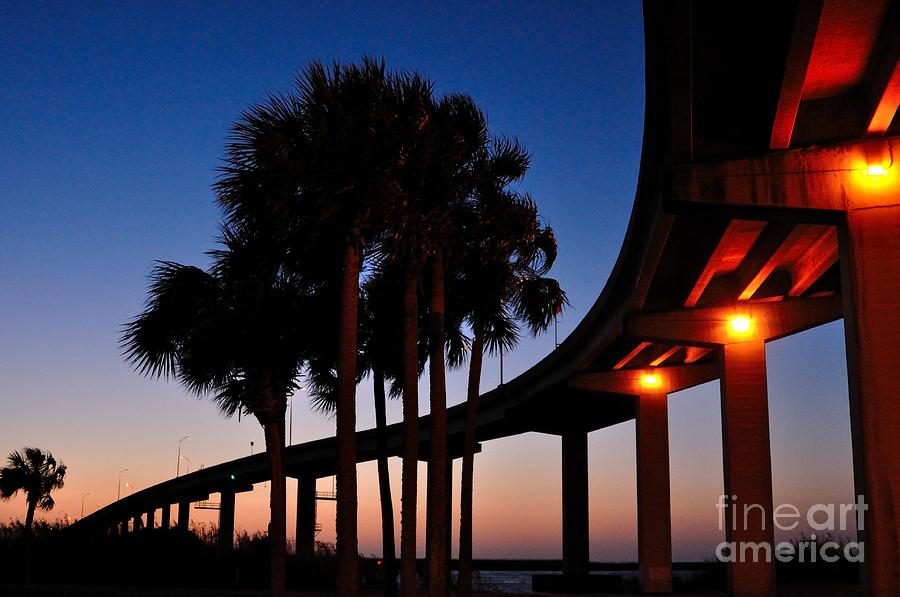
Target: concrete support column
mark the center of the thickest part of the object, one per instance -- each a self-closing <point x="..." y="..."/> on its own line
<point x="184" y="515"/>
<point x="748" y="467"/>
<point x="151" y="518"/>
<point x="166" y="516"/>
<point x="226" y="518"/>
<point x="654" y="511"/>
<point x="138" y="523"/>
<point x="123" y="527"/>
<point x="306" y="517"/>
<point x="575" y="504"/>
<point x="870" y="262"/>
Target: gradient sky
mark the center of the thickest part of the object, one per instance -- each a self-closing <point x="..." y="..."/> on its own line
<point x="113" y="122"/>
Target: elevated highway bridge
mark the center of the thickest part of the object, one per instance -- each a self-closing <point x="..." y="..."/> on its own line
<point x="768" y="202"/>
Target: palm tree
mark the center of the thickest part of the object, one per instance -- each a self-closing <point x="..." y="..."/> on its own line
<point x="36" y="474"/>
<point x="237" y="334"/>
<point x="503" y="280"/>
<point x="327" y="156"/>
<point x="458" y="136"/>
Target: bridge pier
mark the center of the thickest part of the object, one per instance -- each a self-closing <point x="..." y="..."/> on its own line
<point x="748" y="468"/>
<point x="151" y="516"/>
<point x="652" y="443"/>
<point x="184" y="515"/>
<point x="748" y="510"/>
<point x="870" y="260"/>
<point x="653" y="498"/>
<point x="166" y="516"/>
<point x="575" y="531"/>
<point x="226" y="518"/>
<point x="138" y="523"/>
<point x="306" y="517"/>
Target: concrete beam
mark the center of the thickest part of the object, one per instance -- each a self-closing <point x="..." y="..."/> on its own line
<point x="631" y="381"/>
<point x="806" y="23"/>
<point x="832" y="178"/>
<point x="709" y="326"/>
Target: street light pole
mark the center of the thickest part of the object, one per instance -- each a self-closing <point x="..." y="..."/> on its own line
<point x="82" y="503"/>
<point x="178" y="465"/>
<point x="119" y="486"/>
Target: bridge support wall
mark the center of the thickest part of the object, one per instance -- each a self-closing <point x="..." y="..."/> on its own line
<point x="575" y="531"/>
<point x="870" y="258"/>
<point x="306" y="518"/>
<point x="184" y="515"/>
<point x="226" y="518"/>
<point x="654" y="511"/>
<point x="166" y="516"/>
<point x="748" y="468"/>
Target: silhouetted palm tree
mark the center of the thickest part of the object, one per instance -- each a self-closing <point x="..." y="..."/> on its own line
<point x="502" y="280"/>
<point x="36" y="474"/>
<point x="326" y="156"/>
<point x="237" y="334"/>
<point x="458" y="137"/>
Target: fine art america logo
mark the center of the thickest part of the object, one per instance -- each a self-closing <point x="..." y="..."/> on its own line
<point x="825" y="519"/>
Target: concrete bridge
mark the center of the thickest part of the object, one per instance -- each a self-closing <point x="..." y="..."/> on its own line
<point x="768" y="202"/>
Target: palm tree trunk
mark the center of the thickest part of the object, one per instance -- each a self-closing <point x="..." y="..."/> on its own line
<point x="410" y="380"/>
<point x="347" y="550"/>
<point x="438" y="558"/>
<point x="29" y="532"/>
<point x="273" y="429"/>
<point x="464" y="581"/>
<point x="384" y="486"/>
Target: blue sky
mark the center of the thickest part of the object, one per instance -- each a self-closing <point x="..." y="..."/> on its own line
<point x="113" y="120"/>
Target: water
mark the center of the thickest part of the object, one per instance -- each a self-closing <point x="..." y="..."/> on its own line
<point x="519" y="581"/>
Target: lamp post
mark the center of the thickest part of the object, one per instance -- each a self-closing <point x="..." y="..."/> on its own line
<point x="178" y="464"/>
<point x="119" y="485"/>
<point x="82" y="503"/>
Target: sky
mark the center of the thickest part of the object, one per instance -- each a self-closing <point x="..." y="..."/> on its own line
<point x="113" y="121"/>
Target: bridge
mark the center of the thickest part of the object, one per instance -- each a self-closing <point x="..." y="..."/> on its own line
<point x="768" y="202"/>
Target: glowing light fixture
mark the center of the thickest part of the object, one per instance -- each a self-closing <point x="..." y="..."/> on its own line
<point x="876" y="170"/>
<point x="650" y="381"/>
<point x="740" y="324"/>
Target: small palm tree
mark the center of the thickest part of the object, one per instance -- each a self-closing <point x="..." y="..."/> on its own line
<point x="36" y="474"/>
